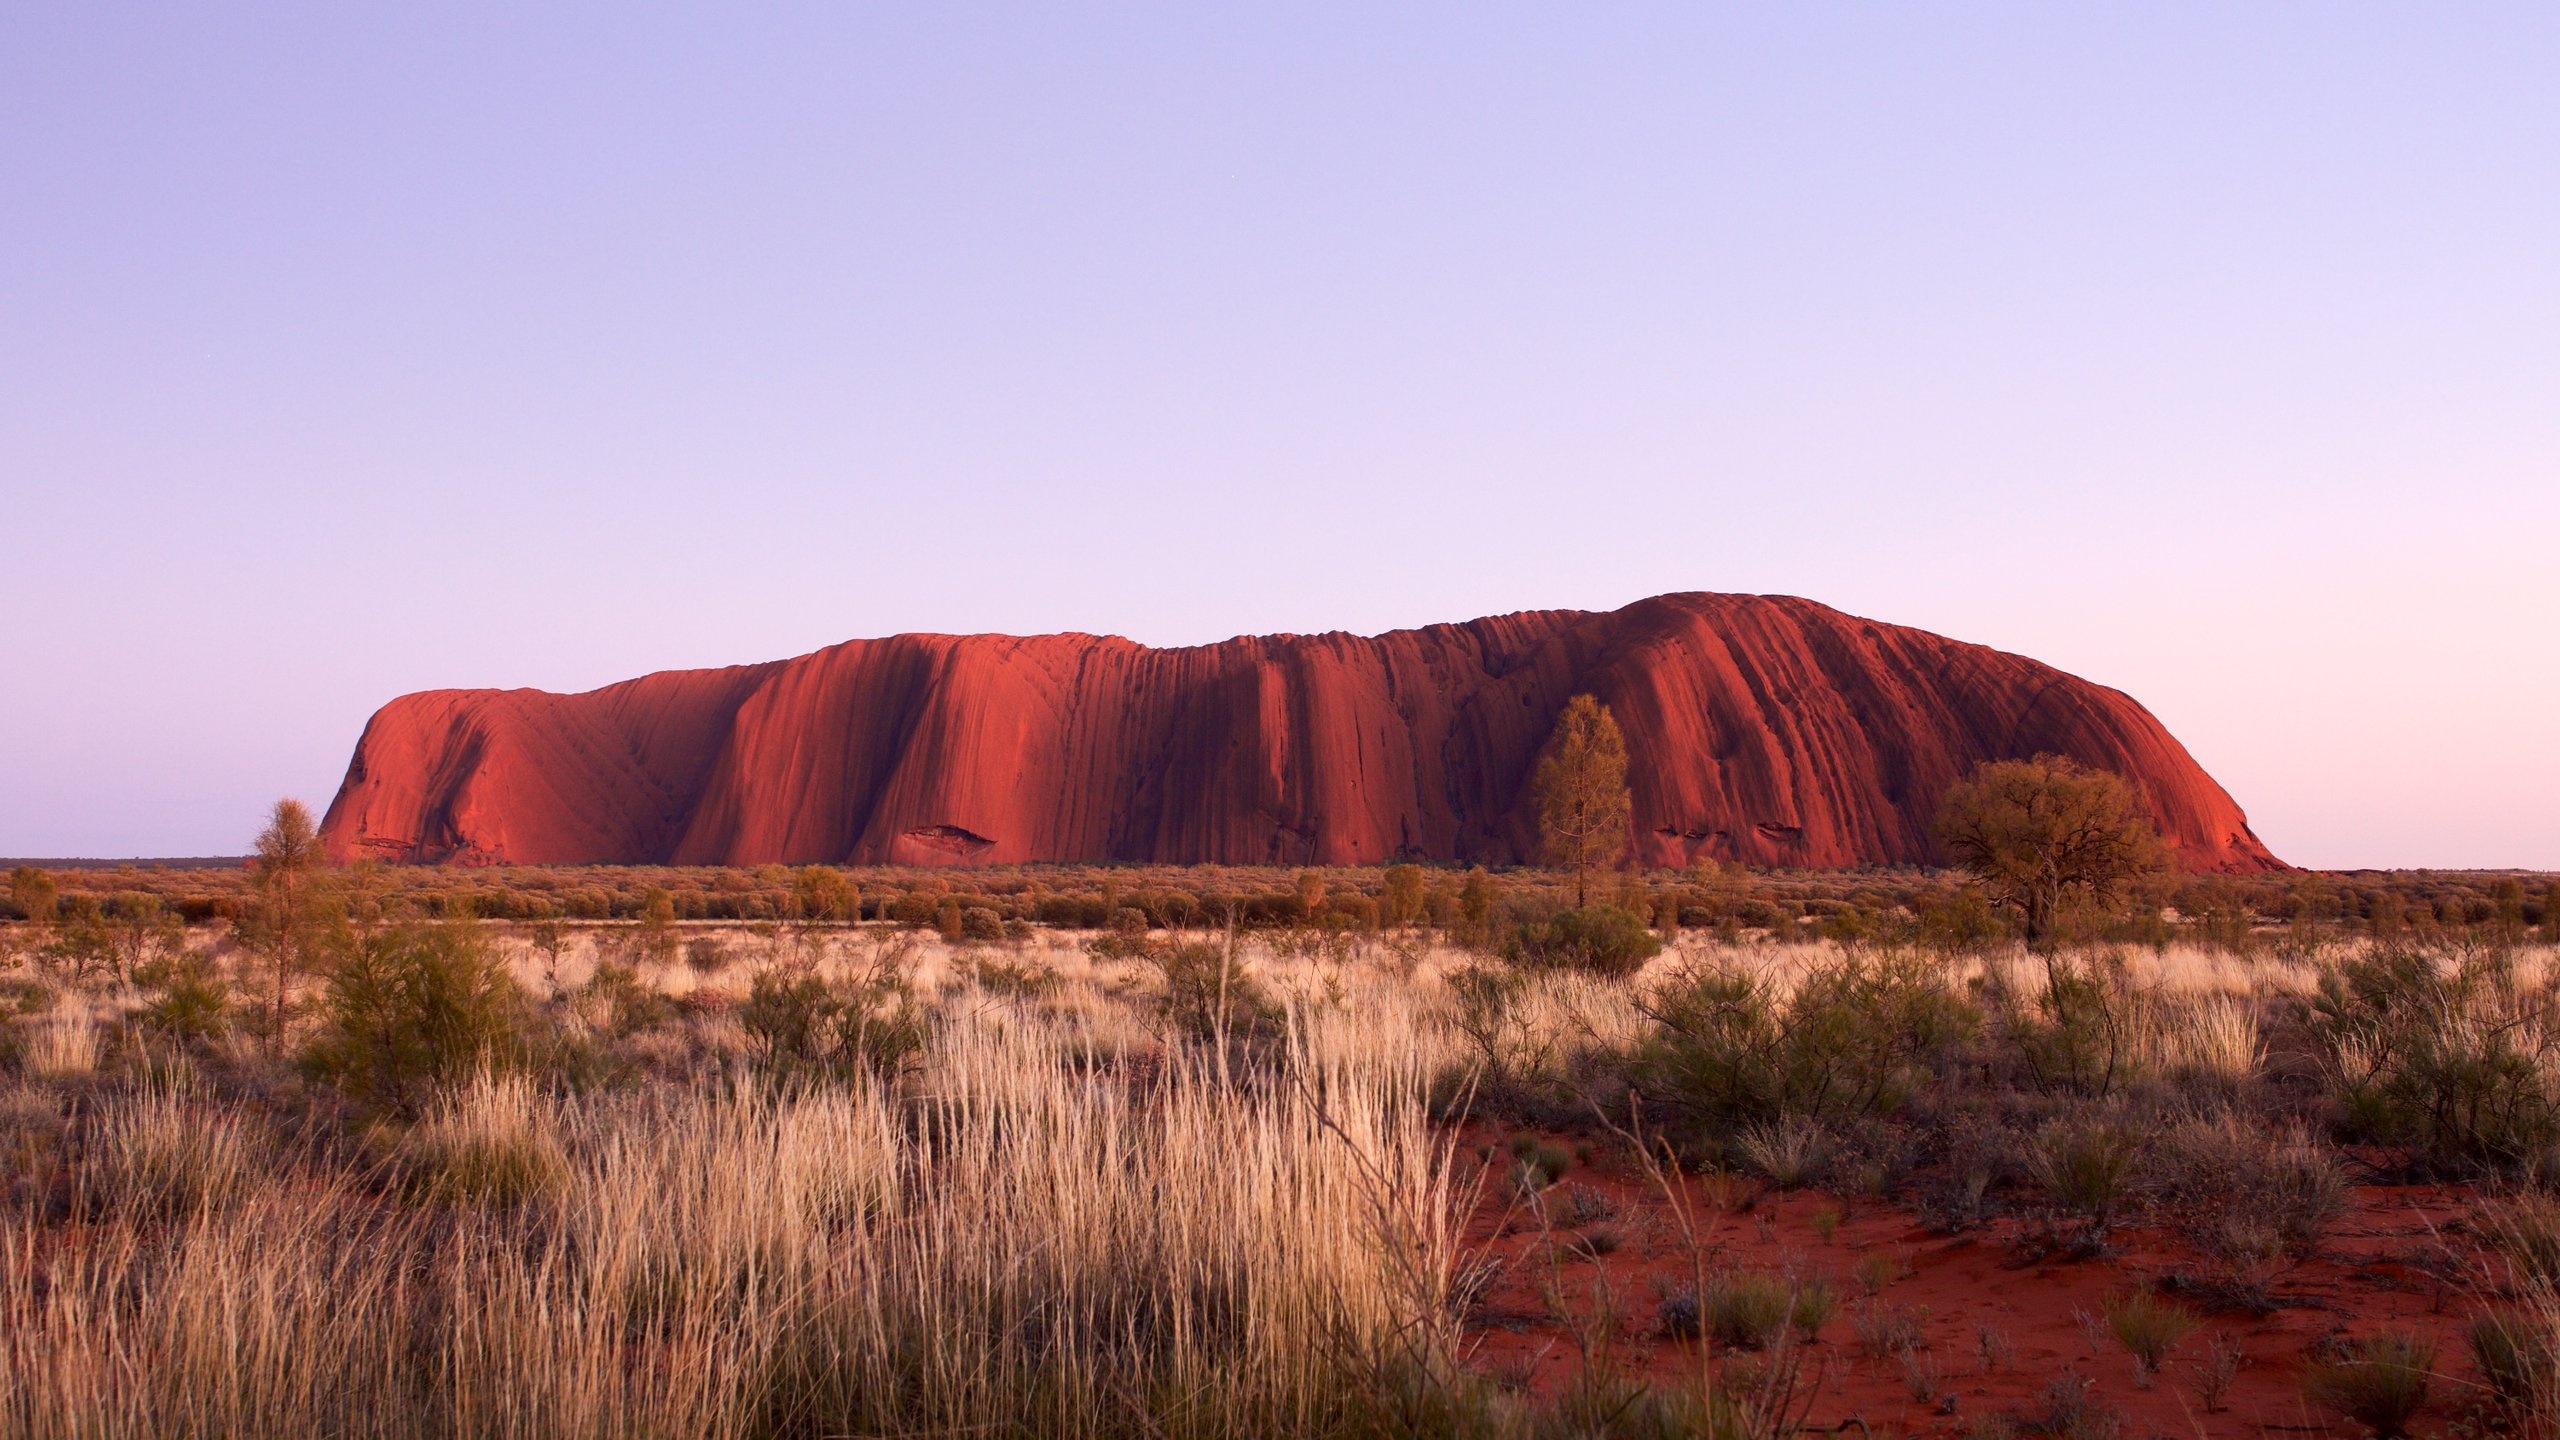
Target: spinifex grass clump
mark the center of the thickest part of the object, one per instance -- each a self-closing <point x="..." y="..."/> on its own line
<point x="491" y="1142"/>
<point x="2148" y="1327"/>
<point x="2380" y="1382"/>
<point x="159" y="1154"/>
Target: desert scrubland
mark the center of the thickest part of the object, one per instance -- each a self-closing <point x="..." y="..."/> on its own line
<point x="972" y="1174"/>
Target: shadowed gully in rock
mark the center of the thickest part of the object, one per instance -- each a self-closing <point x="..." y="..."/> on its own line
<point x="1763" y="729"/>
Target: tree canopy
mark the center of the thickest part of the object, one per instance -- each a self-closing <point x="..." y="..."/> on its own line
<point x="2041" y="833"/>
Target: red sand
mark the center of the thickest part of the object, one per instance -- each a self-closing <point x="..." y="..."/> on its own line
<point x="2400" y="1258"/>
<point x="1764" y="730"/>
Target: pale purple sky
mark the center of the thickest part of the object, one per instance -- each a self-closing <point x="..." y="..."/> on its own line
<point x="2208" y="351"/>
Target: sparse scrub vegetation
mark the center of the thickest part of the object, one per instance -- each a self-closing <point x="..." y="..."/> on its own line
<point x="776" y="1151"/>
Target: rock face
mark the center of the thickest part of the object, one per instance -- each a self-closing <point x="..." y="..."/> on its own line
<point x="1762" y="729"/>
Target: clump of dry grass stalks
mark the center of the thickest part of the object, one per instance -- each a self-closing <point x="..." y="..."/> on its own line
<point x="1024" y="1246"/>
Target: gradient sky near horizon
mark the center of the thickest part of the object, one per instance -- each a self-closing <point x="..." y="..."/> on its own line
<point x="2211" y="352"/>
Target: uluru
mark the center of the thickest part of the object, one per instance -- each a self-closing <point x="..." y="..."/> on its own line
<point x="1766" y="730"/>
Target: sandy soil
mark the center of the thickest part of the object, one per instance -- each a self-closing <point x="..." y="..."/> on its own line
<point x="2402" y="1257"/>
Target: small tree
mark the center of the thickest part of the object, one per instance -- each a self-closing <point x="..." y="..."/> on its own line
<point x="143" y="931"/>
<point x="654" y="942"/>
<point x="2039" y="833"/>
<point x="1310" y="896"/>
<point x="822" y="893"/>
<point x="286" y="916"/>
<point x="1475" y="898"/>
<point x="1581" y="785"/>
<point x="83" y="944"/>
<point x="32" y="891"/>
<point x="1404" y="894"/>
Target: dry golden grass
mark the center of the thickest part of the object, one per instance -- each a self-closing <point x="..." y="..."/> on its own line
<point x="62" y="1042"/>
<point x="1065" y="1218"/>
<point x="1018" y="1241"/>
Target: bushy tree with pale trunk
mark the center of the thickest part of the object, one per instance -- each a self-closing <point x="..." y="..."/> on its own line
<point x="2039" y="834"/>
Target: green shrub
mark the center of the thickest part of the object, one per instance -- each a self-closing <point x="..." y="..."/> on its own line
<point x="1813" y="1307"/>
<point x="1601" y="939"/>
<point x="2077" y="1034"/>
<point x="2442" y="1048"/>
<point x="1124" y="938"/>
<point x="411" y="1006"/>
<point x="800" y="1023"/>
<point x="192" y="1003"/>
<point x="1542" y="1162"/>
<point x="1855" y="1038"/>
<point x="1488" y="1013"/>
<point x="622" y="1003"/>
<point x="1208" y="994"/>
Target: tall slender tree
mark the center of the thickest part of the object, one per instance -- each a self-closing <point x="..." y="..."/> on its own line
<point x="1581" y="785"/>
<point x="284" y="923"/>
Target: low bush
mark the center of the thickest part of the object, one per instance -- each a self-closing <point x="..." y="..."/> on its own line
<point x="800" y="1023"/>
<point x="1746" y="1310"/>
<point x="621" y="1003"/>
<point x="189" y="1000"/>
<point x="2088" y="1170"/>
<point x="1853" y="1039"/>
<point x="1209" y="995"/>
<point x="2249" y="1202"/>
<point x="1789" y="1152"/>
<point x="1812" y="1308"/>
<point x="2078" y="1033"/>
<point x="1018" y="979"/>
<point x="1599" y="939"/>
<point x="1886" y="1329"/>
<point x="413" y="1006"/>
<point x="2443" y="1048"/>
<point x="1542" y="1162"/>
<point x="1488" y="1013"/>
